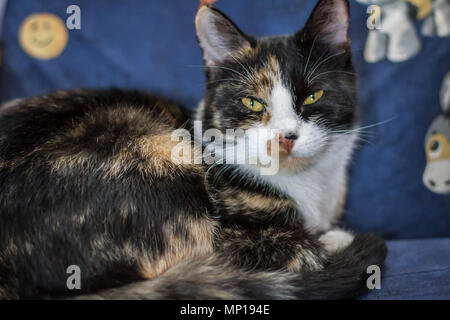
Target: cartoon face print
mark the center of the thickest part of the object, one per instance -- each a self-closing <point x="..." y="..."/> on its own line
<point x="437" y="146"/>
<point x="43" y="35"/>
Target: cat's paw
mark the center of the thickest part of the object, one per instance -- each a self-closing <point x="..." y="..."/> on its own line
<point x="335" y="240"/>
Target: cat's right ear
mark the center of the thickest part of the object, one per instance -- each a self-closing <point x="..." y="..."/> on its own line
<point x="328" y="23"/>
<point x="218" y="36"/>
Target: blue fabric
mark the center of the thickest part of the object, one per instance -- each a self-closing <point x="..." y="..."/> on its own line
<point x="416" y="269"/>
<point x="386" y="193"/>
<point x="151" y="45"/>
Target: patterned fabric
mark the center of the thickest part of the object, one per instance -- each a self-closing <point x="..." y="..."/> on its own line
<point x="399" y="179"/>
<point x="393" y="33"/>
<point x="415" y="269"/>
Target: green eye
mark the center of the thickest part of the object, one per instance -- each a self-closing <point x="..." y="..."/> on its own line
<point x="313" y="98"/>
<point x="252" y="104"/>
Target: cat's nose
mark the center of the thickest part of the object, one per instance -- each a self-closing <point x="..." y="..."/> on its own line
<point x="291" y="136"/>
<point x="287" y="141"/>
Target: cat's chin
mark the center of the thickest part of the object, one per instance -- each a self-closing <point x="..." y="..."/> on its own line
<point x="292" y="162"/>
<point x="286" y="164"/>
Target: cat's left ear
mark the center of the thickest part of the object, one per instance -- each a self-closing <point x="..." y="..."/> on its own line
<point x="329" y="24"/>
<point x="218" y="36"/>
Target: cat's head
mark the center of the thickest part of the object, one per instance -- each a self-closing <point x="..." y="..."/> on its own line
<point x="302" y="85"/>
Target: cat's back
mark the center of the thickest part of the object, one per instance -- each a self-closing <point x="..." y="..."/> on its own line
<point x="84" y="118"/>
<point x="80" y="128"/>
<point x="86" y="179"/>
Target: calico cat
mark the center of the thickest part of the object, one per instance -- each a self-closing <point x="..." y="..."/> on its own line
<point x="87" y="178"/>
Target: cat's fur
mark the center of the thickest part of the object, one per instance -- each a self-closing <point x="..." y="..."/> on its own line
<point x="87" y="179"/>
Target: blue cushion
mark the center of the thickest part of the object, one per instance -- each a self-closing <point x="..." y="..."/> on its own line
<point x="387" y="194"/>
<point x="152" y="45"/>
<point x="416" y="269"/>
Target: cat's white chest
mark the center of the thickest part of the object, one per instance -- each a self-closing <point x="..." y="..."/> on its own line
<point x="318" y="190"/>
<point x="317" y="198"/>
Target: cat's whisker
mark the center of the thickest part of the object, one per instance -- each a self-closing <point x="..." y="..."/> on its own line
<point x="239" y="93"/>
<point x="219" y="67"/>
<point x="309" y="55"/>
<point x="361" y="133"/>
<point x="321" y="62"/>
<point x="326" y="72"/>
<point x="247" y="71"/>
<point x="364" y="140"/>
<point x="314" y="65"/>
<point x="360" y="129"/>
<point x="358" y="135"/>
<point x="228" y="79"/>
<point x="378" y="123"/>
<point x="318" y="60"/>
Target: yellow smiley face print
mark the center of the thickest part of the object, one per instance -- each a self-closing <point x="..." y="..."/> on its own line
<point x="43" y="35"/>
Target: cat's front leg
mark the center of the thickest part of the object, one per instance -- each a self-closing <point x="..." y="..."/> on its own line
<point x="335" y="240"/>
<point x="271" y="246"/>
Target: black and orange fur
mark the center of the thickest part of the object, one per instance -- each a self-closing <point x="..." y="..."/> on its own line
<point x="86" y="179"/>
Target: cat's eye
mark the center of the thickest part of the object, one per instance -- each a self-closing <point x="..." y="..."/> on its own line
<point x="313" y="98"/>
<point x="434" y="148"/>
<point x="252" y="104"/>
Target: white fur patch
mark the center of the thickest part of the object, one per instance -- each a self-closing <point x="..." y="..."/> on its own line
<point x="335" y="240"/>
<point x="284" y="117"/>
<point x="311" y="138"/>
<point x="318" y="189"/>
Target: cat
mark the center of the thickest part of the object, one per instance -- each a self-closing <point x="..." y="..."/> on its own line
<point x="88" y="178"/>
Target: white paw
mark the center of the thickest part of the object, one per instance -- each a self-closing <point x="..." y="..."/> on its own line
<point x="335" y="240"/>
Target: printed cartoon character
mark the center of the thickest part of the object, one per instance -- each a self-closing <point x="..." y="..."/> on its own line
<point x="397" y="39"/>
<point x="436" y="176"/>
<point x="438" y="22"/>
<point x="43" y="35"/>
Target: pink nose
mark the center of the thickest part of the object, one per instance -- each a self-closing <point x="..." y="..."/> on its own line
<point x="287" y="141"/>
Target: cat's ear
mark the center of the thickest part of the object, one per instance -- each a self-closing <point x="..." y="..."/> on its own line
<point x="328" y="23"/>
<point x="218" y="35"/>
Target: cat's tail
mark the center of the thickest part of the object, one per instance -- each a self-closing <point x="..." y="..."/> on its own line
<point x="214" y="278"/>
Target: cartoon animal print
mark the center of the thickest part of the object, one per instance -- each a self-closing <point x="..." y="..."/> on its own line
<point x="438" y="22"/>
<point x="397" y="39"/>
<point x="436" y="176"/>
